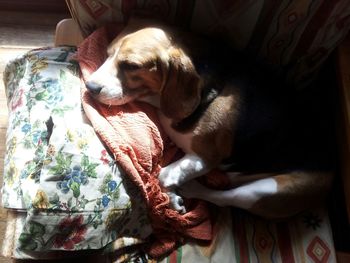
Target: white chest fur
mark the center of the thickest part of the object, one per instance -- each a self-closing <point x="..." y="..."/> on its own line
<point x="182" y="140"/>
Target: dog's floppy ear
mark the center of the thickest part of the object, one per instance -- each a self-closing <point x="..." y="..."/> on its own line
<point x="180" y="94"/>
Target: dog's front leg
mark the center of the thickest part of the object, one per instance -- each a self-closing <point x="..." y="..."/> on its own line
<point x="172" y="176"/>
<point x="188" y="167"/>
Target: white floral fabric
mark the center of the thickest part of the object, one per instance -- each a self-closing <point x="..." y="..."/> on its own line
<point x="56" y="169"/>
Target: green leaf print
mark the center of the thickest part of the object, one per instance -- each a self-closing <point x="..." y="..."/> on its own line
<point x="41" y="95"/>
<point x="76" y="189"/>
<point x="61" y="111"/>
<point x="89" y="168"/>
<point x="36" y="229"/>
<point x="63" y="164"/>
<point x="26" y="242"/>
<point x="63" y="76"/>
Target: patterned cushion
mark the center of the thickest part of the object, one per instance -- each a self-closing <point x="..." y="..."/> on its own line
<point x="296" y="36"/>
<point x="55" y="166"/>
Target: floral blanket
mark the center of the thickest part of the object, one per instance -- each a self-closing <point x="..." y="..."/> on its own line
<point x="64" y="192"/>
<point x="56" y="169"/>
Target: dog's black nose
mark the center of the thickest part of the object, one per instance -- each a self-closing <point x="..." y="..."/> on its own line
<point x="93" y="87"/>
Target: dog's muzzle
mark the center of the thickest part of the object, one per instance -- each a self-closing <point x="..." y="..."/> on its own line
<point x="93" y="87"/>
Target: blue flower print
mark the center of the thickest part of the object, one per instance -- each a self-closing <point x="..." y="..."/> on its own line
<point x="63" y="186"/>
<point x="36" y="136"/>
<point x="112" y="185"/>
<point x="54" y="91"/>
<point x="26" y="127"/>
<point x="105" y="200"/>
<point x="73" y="179"/>
<point x="78" y="176"/>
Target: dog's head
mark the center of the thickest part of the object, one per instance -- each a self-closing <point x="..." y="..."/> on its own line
<point x="143" y="64"/>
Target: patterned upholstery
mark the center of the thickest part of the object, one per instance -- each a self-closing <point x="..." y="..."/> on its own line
<point x="295" y="36"/>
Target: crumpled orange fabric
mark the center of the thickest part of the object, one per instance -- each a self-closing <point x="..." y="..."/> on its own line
<point x="134" y="137"/>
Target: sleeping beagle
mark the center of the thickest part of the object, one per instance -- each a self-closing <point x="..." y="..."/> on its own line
<point x="222" y="112"/>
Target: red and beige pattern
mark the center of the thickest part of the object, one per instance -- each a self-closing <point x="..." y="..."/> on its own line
<point x="296" y="36"/>
<point x="244" y="238"/>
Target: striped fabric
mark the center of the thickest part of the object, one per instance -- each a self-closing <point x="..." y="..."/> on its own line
<point x="244" y="238"/>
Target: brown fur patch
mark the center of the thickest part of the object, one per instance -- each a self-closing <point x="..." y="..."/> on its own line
<point x="213" y="136"/>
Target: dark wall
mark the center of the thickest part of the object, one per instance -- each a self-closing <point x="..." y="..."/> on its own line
<point x="54" y="6"/>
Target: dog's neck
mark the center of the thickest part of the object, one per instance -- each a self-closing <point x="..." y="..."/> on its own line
<point x="153" y="100"/>
<point x="210" y="91"/>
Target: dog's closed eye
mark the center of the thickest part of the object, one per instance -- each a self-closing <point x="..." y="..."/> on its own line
<point x="128" y="66"/>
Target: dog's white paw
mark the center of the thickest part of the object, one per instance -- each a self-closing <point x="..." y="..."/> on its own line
<point x="188" y="167"/>
<point x="176" y="202"/>
<point x="170" y="176"/>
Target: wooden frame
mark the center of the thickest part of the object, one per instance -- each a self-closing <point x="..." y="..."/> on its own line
<point x="68" y="33"/>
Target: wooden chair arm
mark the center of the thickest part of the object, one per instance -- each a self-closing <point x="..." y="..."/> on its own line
<point x="68" y="33"/>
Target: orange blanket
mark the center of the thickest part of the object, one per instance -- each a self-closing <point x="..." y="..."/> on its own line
<point x="132" y="134"/>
